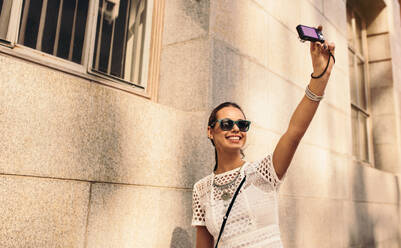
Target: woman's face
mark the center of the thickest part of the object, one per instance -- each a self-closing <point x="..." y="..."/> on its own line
<point x="230" y="140"/>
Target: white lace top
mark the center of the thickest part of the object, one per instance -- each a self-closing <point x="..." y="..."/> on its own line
<point x="253" y="221"/>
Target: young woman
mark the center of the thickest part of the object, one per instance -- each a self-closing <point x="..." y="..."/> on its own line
<point x="253" y="220"/>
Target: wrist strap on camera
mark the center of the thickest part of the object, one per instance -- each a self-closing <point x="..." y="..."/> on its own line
<point x="325" y="69"/>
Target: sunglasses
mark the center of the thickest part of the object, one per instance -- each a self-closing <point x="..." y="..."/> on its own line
<point x="228" y="124"/>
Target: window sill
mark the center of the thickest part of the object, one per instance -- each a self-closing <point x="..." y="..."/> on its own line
<point x="362" y="163"/>
<point x="72" y="68"/>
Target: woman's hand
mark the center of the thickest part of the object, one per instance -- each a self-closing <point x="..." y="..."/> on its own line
<point x="320" y="55"/>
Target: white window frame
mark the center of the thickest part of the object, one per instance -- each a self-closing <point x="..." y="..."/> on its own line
<point x="13" y="24"/>
<point x="84" y="70"/>
<point x="144" y="69"/>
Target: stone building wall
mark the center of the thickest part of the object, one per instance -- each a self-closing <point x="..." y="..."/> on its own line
<point x="83" y="164"/>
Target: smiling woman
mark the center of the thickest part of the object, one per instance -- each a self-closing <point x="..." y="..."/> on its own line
<point x="248" y="190"/>
<point x="220" y="116"/>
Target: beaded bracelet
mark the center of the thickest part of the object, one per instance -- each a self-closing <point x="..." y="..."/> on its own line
<point x="312" y="96"/>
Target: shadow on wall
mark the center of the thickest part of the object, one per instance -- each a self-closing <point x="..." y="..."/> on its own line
<point x="180" y="239"/>
<point x="361" y="231"/>
<point x="198" y="11"/>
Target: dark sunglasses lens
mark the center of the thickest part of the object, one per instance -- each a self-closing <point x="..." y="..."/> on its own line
<point x="243" y="126"/>
<point x="226" y="125"/>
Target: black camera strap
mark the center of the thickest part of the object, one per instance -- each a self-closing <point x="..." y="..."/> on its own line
<point x="327" y="66"/>
<point x="229" y="210"/>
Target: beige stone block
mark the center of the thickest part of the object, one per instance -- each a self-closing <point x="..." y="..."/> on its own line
<point x="330" y="128"/>
<point x="283" y="97"/>
<point x="260" y="143"/>
<point x="322" y="175"/>
<point x="387" y="158"/>
<point x="176" y="153"/>
<point x="395" y="51"/>
<point x="335" y="11"/>
<point x="256" y="104"/>
<point x="341" y="52"/>
<point x="382" y="100"/>
<point x="381" y="74"/>
<point x="384" y="129"/>
<point x="243" y="25"/>
<point x="379" y="24"/>
<point x="311" y="12"/>
<point x="61" y="126"/>
<point x="358" y="223"/>
<point x="266" y="5"/>
<point x="39" y="212"/>
<point x="185" y="75"/>
<point x="379" y="47"/>
<point x="393" y="243"/>
<point x="185" y="20"/>
<point x="282" y="10"/>
<point x="286" y="55"/>
<point x="317" y="4"/>
<point x="227" y="75"/>
<point x="27" y="103"/>
<point x="362" y="183"/>
<point x="238" y="79"/>
<point x="396" y="80"/>
<point x="309" y="222"/>
<point x="186" y="154"/>
<point x="176" y="229"/>
<point x="305" y="65"/>
<point x="337" y="92"/>
<point x="397" y="77"/>
<point x="136" y="216"/>
<point x="370" y="223"/>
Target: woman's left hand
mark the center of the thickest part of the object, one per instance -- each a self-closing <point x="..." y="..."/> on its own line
<point x="320" y="55"/>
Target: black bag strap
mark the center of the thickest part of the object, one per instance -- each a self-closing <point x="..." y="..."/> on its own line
<point x="229" y="210"/>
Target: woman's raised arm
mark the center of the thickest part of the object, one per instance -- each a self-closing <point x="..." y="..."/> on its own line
<point x="306" y="109"/>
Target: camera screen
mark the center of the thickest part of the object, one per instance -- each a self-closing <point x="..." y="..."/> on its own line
<point x="309" y="32"/>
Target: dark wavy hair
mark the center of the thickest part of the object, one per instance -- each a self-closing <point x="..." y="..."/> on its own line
<point x="213" y="119"/>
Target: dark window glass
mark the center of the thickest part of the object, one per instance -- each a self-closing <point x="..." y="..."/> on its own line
<point x="55" y="27"/>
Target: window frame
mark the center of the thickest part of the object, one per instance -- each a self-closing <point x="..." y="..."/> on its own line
<point x="13" y="25"/>
<point x="91" y="49"/>
<point x="84" y="70"/>
<point x="363" y="56"/>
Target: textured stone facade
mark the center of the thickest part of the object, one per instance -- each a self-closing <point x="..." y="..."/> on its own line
<point x="83" y="164"/>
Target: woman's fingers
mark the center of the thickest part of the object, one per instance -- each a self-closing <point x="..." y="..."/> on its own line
<point x="314" y="46"/>
<point x="332" y="47"/>
<point x="319" y="47"/>
<point x="326" y="47"/>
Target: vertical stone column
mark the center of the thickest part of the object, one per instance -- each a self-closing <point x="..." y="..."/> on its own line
<point x="383" y="89"/>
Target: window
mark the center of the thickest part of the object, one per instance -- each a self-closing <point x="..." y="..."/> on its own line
<point x="54" y="27"/>
<point x="121" y="39"/>
<point x="5" y="12"/>
<point x="109" y="38"/>
<point x="9" y="13"/>
<point x="358" y="85"/>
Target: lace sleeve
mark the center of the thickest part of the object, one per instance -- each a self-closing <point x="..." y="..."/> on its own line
<point x="198" y="213"/>
<point x="266" y="170"/>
